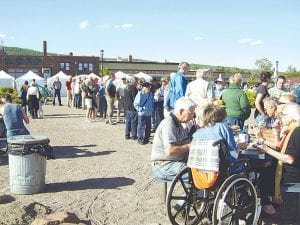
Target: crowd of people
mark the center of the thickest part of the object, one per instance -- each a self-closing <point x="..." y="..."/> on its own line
<point x="180" y="113"/>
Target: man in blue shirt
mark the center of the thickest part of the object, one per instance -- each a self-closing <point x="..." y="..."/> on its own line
<point x="177" y="86"/>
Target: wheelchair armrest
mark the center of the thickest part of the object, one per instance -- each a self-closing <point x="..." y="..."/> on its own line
<point x="241" y="162"/>
<point x="221" y="141"/>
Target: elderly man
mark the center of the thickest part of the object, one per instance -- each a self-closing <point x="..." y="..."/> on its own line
<point x="279" y="88"/>
<point x="177" y="86"/>
<point x="200" y="90"/>
<point x="171" y="141"/>
<point x="56" y="87"/>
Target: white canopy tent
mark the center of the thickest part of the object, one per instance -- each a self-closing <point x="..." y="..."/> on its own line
<point x="29" y="76"/>
<point x="140" y="75"/>
<point x="6" y="80"/>
<point x="63" y="78"/>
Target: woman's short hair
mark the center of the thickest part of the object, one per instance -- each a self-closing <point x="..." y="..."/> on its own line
<point x="210" y="114"/>
<point x="265" y="76"/>
<point x="236" y="79"/>
<point x="271" y="101"/>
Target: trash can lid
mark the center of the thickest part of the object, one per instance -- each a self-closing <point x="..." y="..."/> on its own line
<point x="28" y="139"/>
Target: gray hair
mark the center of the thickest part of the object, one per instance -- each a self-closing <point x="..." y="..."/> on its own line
<point x="200" y="73"/>
<point x="292" y="110"/>
<point x="184" y="103"/>
<point x="271" y="101"/>
<point x="183" y="64"/>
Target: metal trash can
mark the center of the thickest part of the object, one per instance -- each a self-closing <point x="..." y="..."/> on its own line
<point x="27" y="156"/>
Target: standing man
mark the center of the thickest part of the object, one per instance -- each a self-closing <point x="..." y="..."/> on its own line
<point x="279" y="87"/>
<point x="177" y="85"/>
<point x="56" y="87"/>
<point x="131" y="114"/>
<point x="69" y="91"/>
<point x="144" y="104"/>
<point x="200" y="91"/>
<point x="120" y="95"/>
<point x="171" y="141"/>
<point x="110" y="93"/>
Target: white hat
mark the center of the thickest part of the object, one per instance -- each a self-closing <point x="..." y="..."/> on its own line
<point x="220" y="79"/>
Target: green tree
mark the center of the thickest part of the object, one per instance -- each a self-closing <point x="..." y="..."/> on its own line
<point x="251" y="81"/>
<point x="104" y="72"/>
<point x="264" y="65"/>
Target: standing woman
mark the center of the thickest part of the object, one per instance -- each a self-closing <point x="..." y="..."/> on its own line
<point x="236" y="102"/>
<point x="261" y="93"/>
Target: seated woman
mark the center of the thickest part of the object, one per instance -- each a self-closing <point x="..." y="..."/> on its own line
<point x="211" y="120"/>
<point x="288" y="167"/>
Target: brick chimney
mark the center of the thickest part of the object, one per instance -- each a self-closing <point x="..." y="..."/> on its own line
<point x="130" y="58"/>
<point x="71" y="53"/>
<point x="45" y="48"/>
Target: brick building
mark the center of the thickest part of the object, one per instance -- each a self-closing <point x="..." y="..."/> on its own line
<point x="46" y="66"/>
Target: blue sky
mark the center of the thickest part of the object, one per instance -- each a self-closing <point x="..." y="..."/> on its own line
<point x="224" y="32"/>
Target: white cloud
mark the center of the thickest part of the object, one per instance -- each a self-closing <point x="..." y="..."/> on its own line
<point x="198" y="38"/>
<point x="2" y="35"/>
<point x="250" y="41"/>
<point x="257" y="42"/>
<point x="104" y="26"/>
<point x="127" y="26"/>
<point x="83" y="24"/>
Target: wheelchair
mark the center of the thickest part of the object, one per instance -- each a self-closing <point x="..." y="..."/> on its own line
<point x="232" y="199"/>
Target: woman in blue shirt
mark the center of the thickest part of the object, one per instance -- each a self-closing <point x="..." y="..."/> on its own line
<point x="211" y="120"/>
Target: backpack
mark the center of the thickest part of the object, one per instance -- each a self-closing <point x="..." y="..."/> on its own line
<point x="204" y="162"/>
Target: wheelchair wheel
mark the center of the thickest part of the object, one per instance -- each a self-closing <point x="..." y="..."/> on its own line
<point x="236" y="202"/>
<point x="185" y="203"/>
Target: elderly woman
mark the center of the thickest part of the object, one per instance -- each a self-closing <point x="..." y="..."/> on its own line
<point x="211" y="119"/>
<point x="288" y="168"/>
<point x="236" y="102"/>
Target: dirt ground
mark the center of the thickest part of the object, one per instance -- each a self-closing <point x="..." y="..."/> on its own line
<point x="97" y="174"/>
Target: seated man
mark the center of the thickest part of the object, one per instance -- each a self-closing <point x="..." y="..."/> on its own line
<point x="171" y="141"/>
<point x="14" y="117"/>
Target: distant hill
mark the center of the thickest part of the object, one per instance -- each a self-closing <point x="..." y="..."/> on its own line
<point x="24" y="51"/>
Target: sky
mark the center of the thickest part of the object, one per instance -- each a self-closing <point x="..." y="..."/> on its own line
<point x="224" y="33"/>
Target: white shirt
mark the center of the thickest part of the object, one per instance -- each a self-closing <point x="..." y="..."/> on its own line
<point x="200" y="92"/>
<point x="33" y="91"/>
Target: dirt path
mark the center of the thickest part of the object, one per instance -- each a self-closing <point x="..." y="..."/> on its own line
<point x="97" y="174"/>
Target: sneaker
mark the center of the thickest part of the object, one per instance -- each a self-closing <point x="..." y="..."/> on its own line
<point x="134" y="137"/>
<point x="127" y="137"/>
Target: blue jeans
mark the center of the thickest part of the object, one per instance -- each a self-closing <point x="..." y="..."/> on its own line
<point x="167" y="171"/>
<point x="235" y="121"/>
<point x="56" y="93"/>
<point x="144" y="128"/>
<point x="131" y="123"/>
<point x="158" y="114"/>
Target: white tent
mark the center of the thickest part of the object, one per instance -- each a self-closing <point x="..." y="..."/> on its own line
<point x="6" y="80"/>
<point x="63" y="78"/>
<point x="140" y="75"/>
<point x="29" y="76"/>
<point x="93" y="76"/>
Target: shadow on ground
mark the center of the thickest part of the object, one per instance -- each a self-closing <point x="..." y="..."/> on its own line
<point x="77" y="151"/>
<point x="93" y="183"/>
<point x="49" y="116"/>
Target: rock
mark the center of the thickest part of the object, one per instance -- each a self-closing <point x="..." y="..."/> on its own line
<point x="6" y="199"/>
<point x="64" y="217"/>
<point x="45" y="222"/>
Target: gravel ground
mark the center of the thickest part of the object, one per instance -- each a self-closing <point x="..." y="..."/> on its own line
<point x="97" y="174"/>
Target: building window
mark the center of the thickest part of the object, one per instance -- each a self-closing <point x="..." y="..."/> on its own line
<point x="85" y="66"/>
<point x="90" y="66"/>
<point x="80" y="66"/>
<point x="62" y="66"/>
<point x="68" y="66"/>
